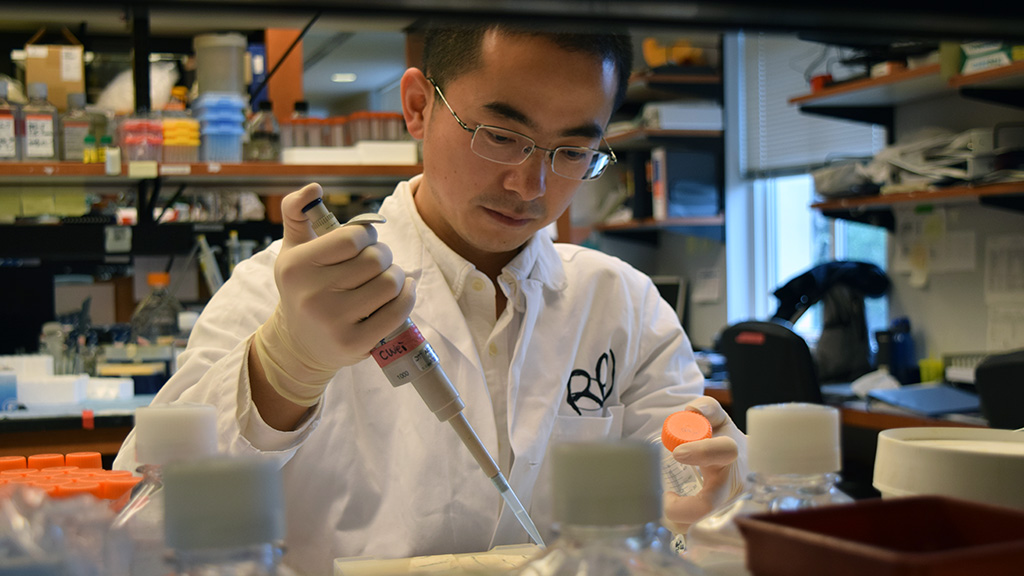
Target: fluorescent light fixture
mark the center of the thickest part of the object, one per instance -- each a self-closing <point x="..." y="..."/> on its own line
<point x="344" y="77"/>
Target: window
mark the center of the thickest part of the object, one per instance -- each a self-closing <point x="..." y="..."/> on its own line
<point x="772" y="233"/>
<point x="800" y="238"/>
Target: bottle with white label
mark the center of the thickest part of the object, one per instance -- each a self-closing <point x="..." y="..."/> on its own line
<point x="40" y="125"/>
<point x="74" y="127"/>
<point x="10" y="113"/>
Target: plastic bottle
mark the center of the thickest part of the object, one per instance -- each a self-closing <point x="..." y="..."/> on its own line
<point x="74" y="127"/>
<point x="679" y="428"/>
<point x="111" y="157"/>
<point x="607" y="507"/>
<point x="40" y="125"/>
<point x="902" y="356"/>
<point x="156" y="316"/>
<point x="264" y="135"/>
<point x="793" y="452"/>
<point x="10" y="120"/>
<point x="164" y="434"/>
<point x="225" y="516"/>
<point x="234" y="250"/>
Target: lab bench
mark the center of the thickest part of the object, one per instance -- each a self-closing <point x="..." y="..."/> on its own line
<point x="861" y="423"/>
<point x="91" y="426"/>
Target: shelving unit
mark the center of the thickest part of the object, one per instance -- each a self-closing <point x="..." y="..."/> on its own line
<point x="254" y="174"/>
<point x="633" y="148"/>
<point x="86" y="241"/>
<point x="877" y="210"/>
<point x="874" y="100"/>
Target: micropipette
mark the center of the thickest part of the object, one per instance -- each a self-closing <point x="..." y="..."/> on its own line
<point x="406" y="357"/>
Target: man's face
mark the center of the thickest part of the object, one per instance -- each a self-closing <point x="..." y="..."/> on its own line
<point x="484" y="210"/>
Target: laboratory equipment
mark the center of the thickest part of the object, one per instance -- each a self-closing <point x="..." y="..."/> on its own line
<point x="164" y="434"/>
<point x="793" y="454"/>
<point x="156" y="316"/>
<point x="980" y="464"/>
<point x="225" y="516"/>
<point x="679" y="428"/>
<point x="406" y="357"/>
<point x="607" y="507"/>
<point x="264" y="135"/>
<point x="40" y="125"/>
<point x="74" y="127"/>
<point x="10" y="134"/>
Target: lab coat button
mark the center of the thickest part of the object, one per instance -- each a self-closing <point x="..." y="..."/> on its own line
<point x="478" y="284"/>
<point x="493" y="349"/>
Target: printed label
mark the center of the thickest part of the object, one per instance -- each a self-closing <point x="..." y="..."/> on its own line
<point x="39" y="136"/>
<point x="8" y="147"/>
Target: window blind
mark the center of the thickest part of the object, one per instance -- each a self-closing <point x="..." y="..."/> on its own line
<point x="777" y="137"/>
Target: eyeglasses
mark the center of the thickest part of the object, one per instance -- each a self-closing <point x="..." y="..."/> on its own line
<point x="509" y="147"/>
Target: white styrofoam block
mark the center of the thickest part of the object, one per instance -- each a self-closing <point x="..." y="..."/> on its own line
<point x="64" y="389"/>
<point x="388" y="152"/>
<point x="28" y="364"/>
<point x="698" y="115"/>
<point x="320" y="155"/>
<point x="110" y="389"/>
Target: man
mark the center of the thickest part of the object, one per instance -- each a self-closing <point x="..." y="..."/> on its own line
<point x="544" y="342"/>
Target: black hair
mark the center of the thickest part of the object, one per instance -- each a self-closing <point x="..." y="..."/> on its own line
<point x="450" y="50"/>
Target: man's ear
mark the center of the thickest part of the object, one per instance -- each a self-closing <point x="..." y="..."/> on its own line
<point x="417" y="98"/>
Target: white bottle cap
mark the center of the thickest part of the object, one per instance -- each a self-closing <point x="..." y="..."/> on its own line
<point x="606" y="483"/>
<point x="793" y="438"/>
<point x="223" y="502"/>
<point x="168" y="432"/>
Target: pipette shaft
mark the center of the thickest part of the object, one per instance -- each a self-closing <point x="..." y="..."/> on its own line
<point x="406" y="357"/>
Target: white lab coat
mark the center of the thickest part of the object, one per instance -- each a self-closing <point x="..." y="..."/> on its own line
<point x="372" y="472"/>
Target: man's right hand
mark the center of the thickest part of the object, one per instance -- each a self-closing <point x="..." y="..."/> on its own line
<point x="340" y="295"/>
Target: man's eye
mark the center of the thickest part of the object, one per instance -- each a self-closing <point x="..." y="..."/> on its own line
<point x="575" y="155"/>
<point x="500" y="138"/>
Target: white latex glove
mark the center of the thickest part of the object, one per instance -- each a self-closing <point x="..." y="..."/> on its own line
<point x="722" y="460"/>
<point x="340" y="295"/>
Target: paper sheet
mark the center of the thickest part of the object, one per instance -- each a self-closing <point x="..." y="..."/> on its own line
<point x="1004" y="269"/>
<point x="1005" y="328"/>
<point x="707" y="287"/>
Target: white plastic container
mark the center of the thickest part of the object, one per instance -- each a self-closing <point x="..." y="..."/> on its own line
<point x="220" y="63"/>
<point x="980" y="464"/>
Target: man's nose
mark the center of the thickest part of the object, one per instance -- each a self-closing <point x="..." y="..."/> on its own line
<point x="529" y="179"/>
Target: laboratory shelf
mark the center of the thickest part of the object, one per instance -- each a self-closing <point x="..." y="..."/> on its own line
<point x="646" y="138"/>
<point x="646" y="230"/>
<point x="252" y="174"/>
<point x="71" y="242"/>
<point x="873" y="99"/>
<point x="877" y="210"/>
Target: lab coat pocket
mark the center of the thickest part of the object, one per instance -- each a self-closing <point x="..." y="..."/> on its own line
<point x="571" y="427"/>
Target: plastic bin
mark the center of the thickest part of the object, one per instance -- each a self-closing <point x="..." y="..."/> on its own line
<point x="222" y="143"/>
<point x="220" y="63"/>
<point x="916" y="536"/>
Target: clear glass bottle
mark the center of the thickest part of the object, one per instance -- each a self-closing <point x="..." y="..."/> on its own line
<point x="607" y="508"/>
<point x="40" y="125"/>
<point x="225" y="516"/>
<point x="164" y="434"/>
<point x="264" y="135"/>
<point x="793" y="453"/>
<point x="10" y="121"/>
<point x="74" y="127"/>
<point x="155" y="319"/>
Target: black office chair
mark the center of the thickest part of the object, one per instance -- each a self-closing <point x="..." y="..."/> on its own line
<point x="999" y="381"/>
<point x="767" y="363"/>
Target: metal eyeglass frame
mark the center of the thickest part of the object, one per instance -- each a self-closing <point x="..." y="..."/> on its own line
<point x="551" y="151"/>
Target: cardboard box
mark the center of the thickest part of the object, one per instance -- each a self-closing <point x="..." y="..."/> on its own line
<point x="980" y="56"/>
<point x="60" y="67"/>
